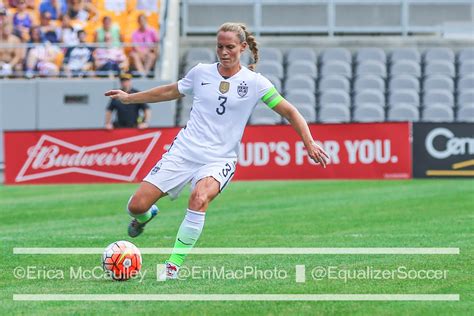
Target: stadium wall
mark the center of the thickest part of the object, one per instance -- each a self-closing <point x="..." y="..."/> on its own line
<point x="357" y="151"/>
<point x="387" y="150"/>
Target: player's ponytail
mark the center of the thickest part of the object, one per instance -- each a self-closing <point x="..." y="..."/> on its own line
<point x="244" y="36"/>
<point x="250" y="39"/>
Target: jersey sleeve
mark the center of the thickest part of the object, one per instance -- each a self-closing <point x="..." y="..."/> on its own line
<point x="111" y="105"/>
<point x="267" y="92"/>
<point x="186" y="85"/>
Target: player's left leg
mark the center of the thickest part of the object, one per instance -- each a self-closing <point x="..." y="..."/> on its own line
<point x="191" y="227"/>
<point x="207" y="183"/>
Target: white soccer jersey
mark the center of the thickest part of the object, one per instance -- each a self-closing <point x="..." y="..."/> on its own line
<point x="220" y="111"/>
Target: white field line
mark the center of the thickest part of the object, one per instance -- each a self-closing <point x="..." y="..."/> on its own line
<point x="236" y="297"/>
<point x="251" y="251"/>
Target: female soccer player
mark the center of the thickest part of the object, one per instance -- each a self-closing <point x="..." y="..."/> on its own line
<point x="205" y="151"/>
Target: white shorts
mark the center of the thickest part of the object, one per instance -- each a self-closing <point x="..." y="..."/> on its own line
<point x="172" y="173"/>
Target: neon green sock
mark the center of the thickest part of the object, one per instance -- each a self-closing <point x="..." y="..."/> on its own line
<point x="141" y="218"/>
<point x="188" y="234"/>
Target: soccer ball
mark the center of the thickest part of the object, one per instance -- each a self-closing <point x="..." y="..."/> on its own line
<point x="122" y="260"/>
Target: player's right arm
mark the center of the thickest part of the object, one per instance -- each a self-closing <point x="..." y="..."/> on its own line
<point x="162" y="93"/>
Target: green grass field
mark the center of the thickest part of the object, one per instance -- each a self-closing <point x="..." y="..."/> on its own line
<point x="429" y="213"/>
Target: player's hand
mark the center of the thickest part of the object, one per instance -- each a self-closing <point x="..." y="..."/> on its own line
<point x="109" y="126"/>
<point x="318" y="154"/>
<point x="120" y="95"/>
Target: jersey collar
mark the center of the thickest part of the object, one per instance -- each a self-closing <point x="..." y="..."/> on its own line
<point x="227" y="78"/>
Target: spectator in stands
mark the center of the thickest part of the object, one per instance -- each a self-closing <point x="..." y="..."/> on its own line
<point x="30" y="4"/>
<point x="108" y="28"/>
<point x="68" y="33"/>
<point x="44" y="58"/>
<point x="127" y="115"/>
<point x="110" y="60"/>
<point x="56" y="8"/>
<point x="81" y="10"/>
<point x="3" y="6"/>
<point x="144" y="56"/>
<point x="11" y="58"/>
<point x="49" y="32"/>
<point x="4" y="16"/>
<point x="78" y="61"/>
<point x="22" y="21"/>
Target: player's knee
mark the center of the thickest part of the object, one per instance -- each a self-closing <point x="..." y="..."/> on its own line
<point x="198" y="200"/>
<point x="137" y="205"/>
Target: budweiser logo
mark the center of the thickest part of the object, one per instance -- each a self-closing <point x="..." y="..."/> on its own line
<point x="52" y="156"/>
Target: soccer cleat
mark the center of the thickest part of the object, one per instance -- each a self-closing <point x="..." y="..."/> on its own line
<point x="171" y="271"/>
<point x="135" y="228"/>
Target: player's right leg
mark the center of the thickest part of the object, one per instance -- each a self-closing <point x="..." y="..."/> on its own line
<point x="142" y="208"/>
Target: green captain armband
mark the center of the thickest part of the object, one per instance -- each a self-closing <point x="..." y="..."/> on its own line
<point x="272" y="98"/>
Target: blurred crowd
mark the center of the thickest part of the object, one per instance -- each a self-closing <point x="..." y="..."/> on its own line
<point x="78" y="38"/>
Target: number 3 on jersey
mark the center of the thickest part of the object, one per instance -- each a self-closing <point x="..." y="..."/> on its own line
<point x="221" y="109"/>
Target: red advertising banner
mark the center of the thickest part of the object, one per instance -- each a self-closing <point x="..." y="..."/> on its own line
<point x="357" y="151"/>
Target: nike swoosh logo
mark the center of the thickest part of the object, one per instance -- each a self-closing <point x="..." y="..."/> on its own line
<point x="184" y="242"/>
<point x="205" y="83"/>
<point x="126" y="252"/>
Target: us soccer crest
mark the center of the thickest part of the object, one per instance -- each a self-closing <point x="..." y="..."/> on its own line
<point x="224" y="87"/>
<point x="242" y="89"/>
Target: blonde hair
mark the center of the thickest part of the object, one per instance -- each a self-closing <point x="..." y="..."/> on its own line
<point x="244" y="36"/>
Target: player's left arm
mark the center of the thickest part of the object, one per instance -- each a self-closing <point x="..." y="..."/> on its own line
<point x="288" y="111"/>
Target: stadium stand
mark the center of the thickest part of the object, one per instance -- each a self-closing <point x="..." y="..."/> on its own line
<point x="336" y="54"/>
<point x="336" y="82"/>
<point x="300" y="82"/>
<point x="301" y="53"/>
<point x="438" y="82"/>
<point x="302" y="67"/>
<point x="371" y="54"/>
<point x="336" y="67"/>
<point x="399" y="82"/>
<point x="371" y="96"/>
<point x="372" y="83"/>
<point x="334" y="96"/>
<point x="262" y="115"/>
<point x="432" y="97"/>
<point x="405" y="53"/>
<point x="369" y="112"/>
<point x="308" y="111"/>
<point x="403" y="112"/>
<point x="98" y="18"/>
<point x="406" y="67"/>
<point x="271" y="67"/>
<point x="438" y="113"/>
<point x="298" y="96"/>
<point x="334" y="113"/>
<point x="371" y="67"/>
<point x="466" y="113"/>
<point x="466" y="97"/>
<point x="270" y="54"/>
<point x="276" y="82"/>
